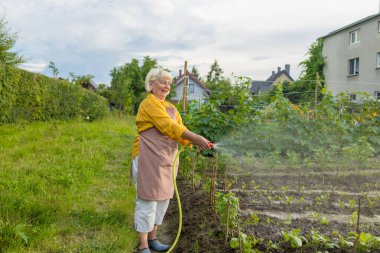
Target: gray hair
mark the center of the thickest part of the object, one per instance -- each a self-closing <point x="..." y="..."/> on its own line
<point x="153" y="75"/>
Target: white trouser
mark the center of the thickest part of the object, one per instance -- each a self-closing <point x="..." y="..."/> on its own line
<point x="147" y="212"/>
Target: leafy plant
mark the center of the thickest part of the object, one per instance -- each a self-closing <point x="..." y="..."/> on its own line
<point x="321" y="241"/>
<point x="227" y="208"/>
<point x="366" y="242"/>
<point x="247" y="241"/>
<point x="344" y="243"/>
<point x="354" y="219"/>
<point x="288" y="200"/>
<point x="253" y="219"/>
<point x="7" y="42"/>
<point x="324" y="221"/>
<point x="351" y="204"/>
<point x="293" y="238"/>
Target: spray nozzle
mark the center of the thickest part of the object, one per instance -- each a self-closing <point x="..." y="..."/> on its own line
<point x="210" y="144"/>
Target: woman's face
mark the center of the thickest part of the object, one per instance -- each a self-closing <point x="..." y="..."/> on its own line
<point x="161" y="87"/>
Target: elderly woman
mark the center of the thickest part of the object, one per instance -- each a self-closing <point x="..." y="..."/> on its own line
<point x="159" y="127"/>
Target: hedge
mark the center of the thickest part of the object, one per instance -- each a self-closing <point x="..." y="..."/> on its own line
<point x="31" y="97"/>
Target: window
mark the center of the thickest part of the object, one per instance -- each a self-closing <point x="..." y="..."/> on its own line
<point x="354" y="37"/>
<point x="191" y="88"/>
<point x="378" y="60"/>
<point x="353" y="67"/>
<point x="377" y="95"/>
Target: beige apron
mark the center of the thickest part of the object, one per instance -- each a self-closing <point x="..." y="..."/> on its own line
<point x="155" y="164"/>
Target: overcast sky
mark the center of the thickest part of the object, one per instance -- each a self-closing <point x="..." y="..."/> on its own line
<point x="248" y="37"/>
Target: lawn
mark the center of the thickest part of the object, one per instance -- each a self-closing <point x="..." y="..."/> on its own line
<point x="64" y="186"/>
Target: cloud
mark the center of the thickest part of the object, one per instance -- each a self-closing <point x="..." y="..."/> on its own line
<point x="249" y="38"/>
<point x="34" y="67"/>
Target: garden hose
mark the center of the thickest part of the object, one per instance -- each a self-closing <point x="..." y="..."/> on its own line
<point x="211" y="145"/>
<point x="178" y="199"/>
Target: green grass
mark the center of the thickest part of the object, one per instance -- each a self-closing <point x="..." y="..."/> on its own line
<point x="64" y="186"/>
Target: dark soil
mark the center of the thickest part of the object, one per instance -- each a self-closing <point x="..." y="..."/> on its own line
<point x="201" y="231"/>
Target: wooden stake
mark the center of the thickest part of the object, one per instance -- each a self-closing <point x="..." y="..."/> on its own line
<point x="184" y="91"/>
<point x="241" y="250"/>
<point x="228" y="219"/>
<point x="357" y="224"/>
<point x="193" y="173"/>
<point x="357" y="229"/>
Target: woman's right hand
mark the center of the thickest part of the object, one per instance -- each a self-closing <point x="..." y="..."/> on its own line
<point x="202" y="142"/>
<point x="197" y="140"/>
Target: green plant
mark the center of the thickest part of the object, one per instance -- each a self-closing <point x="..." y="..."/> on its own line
<point x="324" y="221"/>
<point x="351" y="204"/>
<point x="322" y="199"/>
<point x="284" y="188"/>
<point x="7" y="42"/>
<point x="288" y="220"/>
<point x="227" y="208"/>
<point x="365" y="242"/>
<point x="253" y="219"/>
<point x="254" y="185"/>
<point x="288" y="200"/>
<point x="354" y="219"/>
<point x="293" y="238"/>
<point x="321" y="241"/>
<point x="344" y="243"/>
<point x="247" y="241"/>
<point x="341" y="204"/>
<point x="272" y="246"/>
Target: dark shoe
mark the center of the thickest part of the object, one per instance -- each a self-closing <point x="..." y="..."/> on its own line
<point x="146" y="250"/>
<point x="157" y="246"/>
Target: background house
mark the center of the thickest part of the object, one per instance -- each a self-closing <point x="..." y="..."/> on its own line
<point x="352" y="56"/>
<point x="277" y="77"/>
<point x="90" y="85"/>
<point x="196" y="90"/>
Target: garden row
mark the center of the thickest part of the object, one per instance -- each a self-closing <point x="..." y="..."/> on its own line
<point x="267" y="213"/>
<point x="288" y="177"/>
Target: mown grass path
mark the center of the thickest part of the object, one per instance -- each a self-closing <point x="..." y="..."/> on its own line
<point x="64" y="186"/>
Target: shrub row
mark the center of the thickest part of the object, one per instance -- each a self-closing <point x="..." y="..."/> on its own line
<point x="31" y="97"/>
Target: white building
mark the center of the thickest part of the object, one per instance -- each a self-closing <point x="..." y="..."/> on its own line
<point x="196" y="90"/>
<point x="352" y="56"/>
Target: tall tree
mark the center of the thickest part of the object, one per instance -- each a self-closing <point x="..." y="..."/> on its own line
<point x="313" y="69"/>
<point x="7" y="42"/>
<point x="53" y="69"/>
<point x="128" y="83"/>
<point x="303" y="90"/>
<point x="195" y="72"/>
<point x="215" y="73"/>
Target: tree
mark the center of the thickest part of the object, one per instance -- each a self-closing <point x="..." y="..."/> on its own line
<point x="315" y="63"/>
<point x="215" y="73"/>
<point x="303" y="90"/>
<point x="128" y="84"/>
<point x="53" y="68"/>
<point x="7" y="41"/>
<point x="83" y="81"/>
<point x="195" y="72"/>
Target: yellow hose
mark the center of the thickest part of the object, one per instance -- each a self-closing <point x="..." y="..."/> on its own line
<point x="178" y="199"/>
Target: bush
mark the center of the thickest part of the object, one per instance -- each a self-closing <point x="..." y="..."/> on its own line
<point x="93" y="106"/>
<point x="31" y="97"/>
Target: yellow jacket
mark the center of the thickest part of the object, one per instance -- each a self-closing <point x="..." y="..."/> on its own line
<point x="152" y="113"/>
